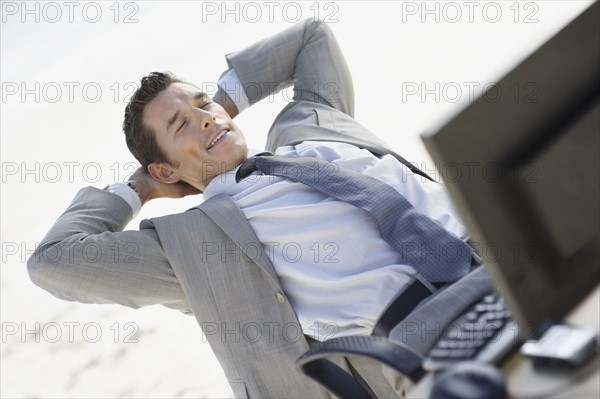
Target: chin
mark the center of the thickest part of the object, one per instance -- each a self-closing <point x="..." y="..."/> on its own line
<point x="239" y="151"/>
<point x="237" y="160"/>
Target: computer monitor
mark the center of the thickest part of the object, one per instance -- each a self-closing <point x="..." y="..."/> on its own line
<point x="523" y="170"/>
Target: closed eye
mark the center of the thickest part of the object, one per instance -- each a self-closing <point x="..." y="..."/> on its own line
<point x="185" y="121"/>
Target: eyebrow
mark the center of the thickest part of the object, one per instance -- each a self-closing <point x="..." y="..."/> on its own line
<point x="175" y="116"/>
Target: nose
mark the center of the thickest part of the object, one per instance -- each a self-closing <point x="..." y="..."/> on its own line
<point x="205" y="118"/>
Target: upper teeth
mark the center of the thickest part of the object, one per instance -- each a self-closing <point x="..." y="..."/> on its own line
<point x="217" y="138"/>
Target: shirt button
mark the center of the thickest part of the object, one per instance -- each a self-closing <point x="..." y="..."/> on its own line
<point x="280" y="297"/>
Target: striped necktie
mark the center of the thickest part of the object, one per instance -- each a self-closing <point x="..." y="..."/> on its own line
<point x="421" y="242"/>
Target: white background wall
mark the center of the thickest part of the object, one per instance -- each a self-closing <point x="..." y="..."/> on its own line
<point x="67" y="69"/>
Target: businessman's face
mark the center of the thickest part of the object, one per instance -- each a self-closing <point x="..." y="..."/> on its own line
<point x="197" y="136"/>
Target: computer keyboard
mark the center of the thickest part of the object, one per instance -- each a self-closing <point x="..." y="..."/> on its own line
<point x="484" y="332"/>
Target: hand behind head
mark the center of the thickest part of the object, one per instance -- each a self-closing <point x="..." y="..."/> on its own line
<point x="149" y="188"/>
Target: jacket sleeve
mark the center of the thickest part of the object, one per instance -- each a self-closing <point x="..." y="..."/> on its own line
<point x="86" y="257"/>
<point x="306" y="55"/>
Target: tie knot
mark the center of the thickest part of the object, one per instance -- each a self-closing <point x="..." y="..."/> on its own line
<point x="249" y="166"/>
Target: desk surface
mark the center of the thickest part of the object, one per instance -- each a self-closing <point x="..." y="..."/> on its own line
<point x="524" y="381"/>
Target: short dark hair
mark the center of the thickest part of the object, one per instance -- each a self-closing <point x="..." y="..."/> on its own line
<point x="141" y="139"/>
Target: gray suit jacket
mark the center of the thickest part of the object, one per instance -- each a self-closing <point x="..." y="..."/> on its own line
<point x="208" y="261"/>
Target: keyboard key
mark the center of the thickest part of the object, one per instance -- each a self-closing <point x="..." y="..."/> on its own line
<point x="501" y="315"/>
<point x="489" y="307"/>
<point x="475" y="344"/>
<point x="461" y="354"/>
<point x="474" y="326"/>
<point x="439" y="353"/>
<point x="494" y="325"/>
<point x="472" y="316"/>
<point x="492" y="298"/>
<point x="454" y="333"/>
<point x="476" y="335"/>
<point x="444" y="344"/>
<point x="463" y="345"/>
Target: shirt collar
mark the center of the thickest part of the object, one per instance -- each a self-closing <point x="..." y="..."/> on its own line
<point x="225" y="182"/>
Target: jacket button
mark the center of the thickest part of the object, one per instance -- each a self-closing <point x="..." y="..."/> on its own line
<point x="280" y="297"/>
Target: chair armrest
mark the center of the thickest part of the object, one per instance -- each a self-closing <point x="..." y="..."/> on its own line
<point x="314" y="364"/>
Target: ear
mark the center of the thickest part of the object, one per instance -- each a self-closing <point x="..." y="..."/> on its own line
<point x="163" y="172"/>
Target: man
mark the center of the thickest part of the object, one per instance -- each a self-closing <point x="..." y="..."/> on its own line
<point x="264" y="264"/>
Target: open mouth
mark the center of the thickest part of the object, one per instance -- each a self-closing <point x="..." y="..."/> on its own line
<point x="217" y="139"/>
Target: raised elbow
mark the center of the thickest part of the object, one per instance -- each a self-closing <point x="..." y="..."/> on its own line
<point x="44" y="271"/>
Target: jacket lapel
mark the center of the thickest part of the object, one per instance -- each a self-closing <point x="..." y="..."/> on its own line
<point x="222" y="210"/>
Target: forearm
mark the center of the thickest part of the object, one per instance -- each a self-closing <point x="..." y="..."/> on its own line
<point x="86" y="257"/>
<point x="268" y="65"/>
<point x="92" y="211"/>
<point x="306" y="55"/>
<point x="64" y="257"/>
